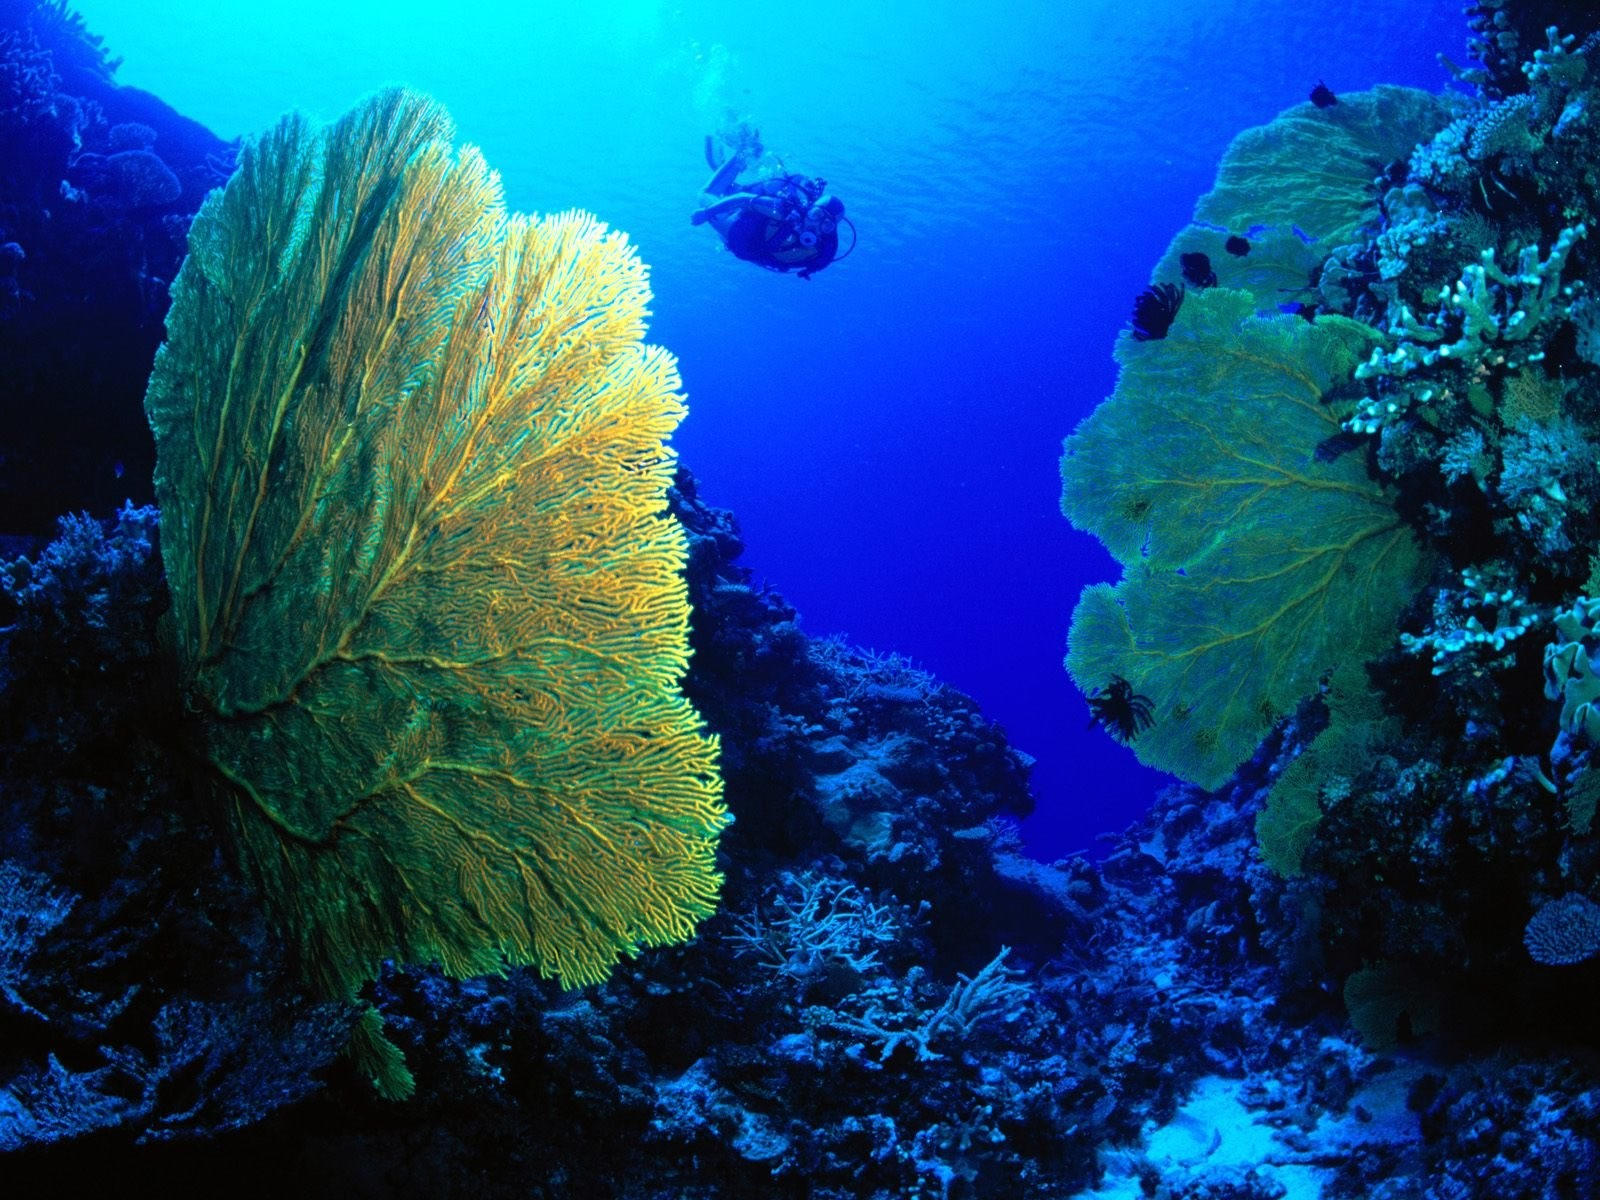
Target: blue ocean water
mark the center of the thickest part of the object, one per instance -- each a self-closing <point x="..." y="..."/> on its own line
<point x="887" y="432"/>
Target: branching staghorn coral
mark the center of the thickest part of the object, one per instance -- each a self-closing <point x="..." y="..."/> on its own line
<point x="1562" y="64"/>
<point x="1498" y="310"/>
<point x="1569" y="668"/>
<point x="887" y="1018"/>
<point x="1490" y="320"/>
<point x="812" y="923"/>
<point x="30" y="908"/>
<point x="1494" y="309"/>
<point x="1506" y="128"/>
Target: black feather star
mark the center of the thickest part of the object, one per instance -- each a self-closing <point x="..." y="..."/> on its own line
<point x="1197" y="269"/>
<point x="1120" y="710"/>
<point x="1154" y="310"/>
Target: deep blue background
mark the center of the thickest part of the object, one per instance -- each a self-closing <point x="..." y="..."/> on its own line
<point x="888" y="432"/>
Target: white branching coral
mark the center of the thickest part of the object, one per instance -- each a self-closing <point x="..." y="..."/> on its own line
<point x="1498" y="319"/>
<point x="813" y="922"/>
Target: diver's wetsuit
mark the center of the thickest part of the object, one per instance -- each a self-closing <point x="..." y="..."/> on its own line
<point x="773" y="241"/>
<point x="775" y="244"/>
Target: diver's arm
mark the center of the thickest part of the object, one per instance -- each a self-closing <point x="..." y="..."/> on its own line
<point x="723" y="177"/>
<point x="727" y="204"/>
<point x="767" y="206"/>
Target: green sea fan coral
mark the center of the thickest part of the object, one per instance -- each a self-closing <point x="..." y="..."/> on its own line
<point x="1301" y="186"/>
<point x="1252" y="563"/>
<point x="427" y="600"/>
<point x="1256" y="557"/>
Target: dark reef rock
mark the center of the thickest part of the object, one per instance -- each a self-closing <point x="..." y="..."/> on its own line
<point x="141" y="999"/>
<point x="1514" y="1131"/>
<point x="98" y="187"/>
<point x="853" y="1024"/>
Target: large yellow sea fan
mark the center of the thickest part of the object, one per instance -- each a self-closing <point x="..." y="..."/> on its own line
<point x="428" y="601"/>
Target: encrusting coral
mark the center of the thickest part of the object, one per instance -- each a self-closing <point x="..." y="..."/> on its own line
<point x="427" y="599"/>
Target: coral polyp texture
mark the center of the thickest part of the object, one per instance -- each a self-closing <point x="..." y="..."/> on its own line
<point x="427" y="598"/>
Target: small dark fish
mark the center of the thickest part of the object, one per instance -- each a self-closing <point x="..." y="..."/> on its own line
<point x="1237" y="246"/>
<point x="1154" y="310"/>
<point x="1322" y="96"/>
<point x="1197" y="270"/>
<point x="1298" y="309"/>
<point x="1332" y="448"/>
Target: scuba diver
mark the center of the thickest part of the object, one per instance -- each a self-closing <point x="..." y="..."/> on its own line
<point x="781" y="221"/>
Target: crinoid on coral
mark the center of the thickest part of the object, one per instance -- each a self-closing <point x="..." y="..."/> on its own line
<point x="1120" y="710"/>
<point x="1154" y="311"/>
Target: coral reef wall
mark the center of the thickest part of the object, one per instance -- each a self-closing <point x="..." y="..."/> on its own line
<point x="98" y="187"/>
<point x="1439" y="817"/>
